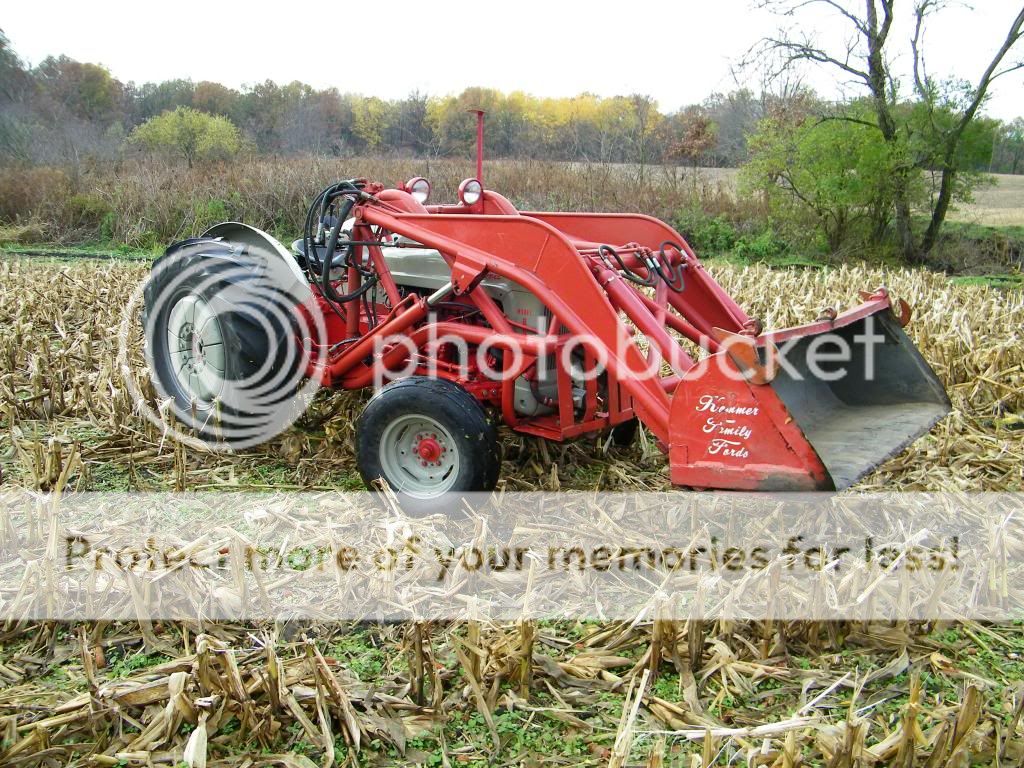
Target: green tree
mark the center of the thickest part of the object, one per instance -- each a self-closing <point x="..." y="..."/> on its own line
<point x="1009" y="151"/>
<point x="370" y="118"/>
<point x="13" y="77"/>
<point x="865" y="59"/>
<point x="646" y="119"/>
<point x="87" y="91"/>
<point x="215" y="99"/>
<point x="836" y="170"/>
<point x="150" y="99"/>
<point x="190" y="134"/>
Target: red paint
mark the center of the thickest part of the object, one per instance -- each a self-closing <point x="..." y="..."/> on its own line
<point x="429" y="449"/>
<point x="718" y="432"/>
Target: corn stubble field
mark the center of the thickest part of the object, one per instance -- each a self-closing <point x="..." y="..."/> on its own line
<point x="471" y="693"/>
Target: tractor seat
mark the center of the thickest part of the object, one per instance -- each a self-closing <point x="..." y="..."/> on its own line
<point x="319" y="252"/>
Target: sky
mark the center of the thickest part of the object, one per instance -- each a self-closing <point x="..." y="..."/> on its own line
<point x="679" y="51"/>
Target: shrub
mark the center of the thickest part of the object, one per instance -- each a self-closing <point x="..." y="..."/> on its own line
<point x="32" y="192"/>
<point x="706" y="234"/>
<point x="210" y="212"/>
<point x="763" y="247"/>
<point x="976" y="249"/>
<point x="22" y="234"/>
<point x="190" y="134"/>
<point x="150" y="203"/>
<point x="85" y="210"/>
<point x="833" y="172"/>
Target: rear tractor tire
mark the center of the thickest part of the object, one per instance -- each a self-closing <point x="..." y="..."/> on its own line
<point x="426" y="438"/>
<point x="219" y="344"/>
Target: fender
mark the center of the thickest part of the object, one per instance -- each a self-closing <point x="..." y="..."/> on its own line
<point x="260" y="242"/>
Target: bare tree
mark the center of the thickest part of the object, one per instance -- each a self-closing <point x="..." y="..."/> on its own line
<point x="645" y="112"/>
<point x="864" y="60"/>
<point x="736" y="115"/>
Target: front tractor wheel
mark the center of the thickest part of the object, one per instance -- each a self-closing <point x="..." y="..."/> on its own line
<point x="425" y="438"/>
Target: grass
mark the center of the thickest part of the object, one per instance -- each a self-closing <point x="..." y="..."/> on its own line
<point x="1000" y="205"/>
<point x="145" y="205"/>
<point x="1011" y="281"/>
<point x="127" y="665"/>
<point x="522" y="734"/>
<point x="943" y="662"/>
<point x="148" y="203"/>
<point x="60" y="252"/>
<point x="133" y="211"/>
<point x="361" y="652"/>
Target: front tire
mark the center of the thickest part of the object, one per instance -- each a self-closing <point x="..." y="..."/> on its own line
<point x="426" y="438"/>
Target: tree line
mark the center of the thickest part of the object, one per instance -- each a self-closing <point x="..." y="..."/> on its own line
<point x="878" y="170"/>
<point x="63" y="111"/>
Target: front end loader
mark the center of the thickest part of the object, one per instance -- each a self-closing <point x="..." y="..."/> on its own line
<point x="559" y="325"/>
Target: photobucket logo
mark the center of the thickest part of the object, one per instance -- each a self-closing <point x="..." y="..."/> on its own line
<point x="439" y="350"/>
<point x="228" y="341"/>
<point x="830" y="356"/>
<point x="475" y="353"/>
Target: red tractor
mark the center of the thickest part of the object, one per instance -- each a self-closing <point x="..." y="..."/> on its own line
<point x="559" y="324"/>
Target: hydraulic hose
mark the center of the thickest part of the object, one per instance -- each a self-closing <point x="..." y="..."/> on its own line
<point x="325" y="270"/>
<point x="626" y="271"/>
<point x="676" y="281"/>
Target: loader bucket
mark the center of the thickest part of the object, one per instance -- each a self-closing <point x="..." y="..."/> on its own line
<point x="843" y="396"/>
<point x="876" y="403"/>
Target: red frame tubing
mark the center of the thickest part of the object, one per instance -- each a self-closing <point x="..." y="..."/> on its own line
<point x="704" y="303"/>
<point x="533" y="347"/>
<point x="625" y="298"/>
<point x="537" y="256"/>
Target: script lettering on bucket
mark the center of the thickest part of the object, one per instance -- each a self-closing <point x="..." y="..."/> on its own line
<point x="728" y="434"/>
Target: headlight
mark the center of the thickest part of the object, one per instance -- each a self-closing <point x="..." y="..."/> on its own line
<point x="470" y="191"/>
<point x="419" y="188"/>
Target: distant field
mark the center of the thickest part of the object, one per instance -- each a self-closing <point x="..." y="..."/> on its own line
<point x="999" y="205"/>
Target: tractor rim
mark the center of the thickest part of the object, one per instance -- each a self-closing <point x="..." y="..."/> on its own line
<point x="195" y="340"/>
<point x="419" y="456"/>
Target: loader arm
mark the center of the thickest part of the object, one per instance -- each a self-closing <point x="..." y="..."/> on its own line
<point x="721" y="427"/>
<point x="537" y="256"/>
<point x="704" y="303"/>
